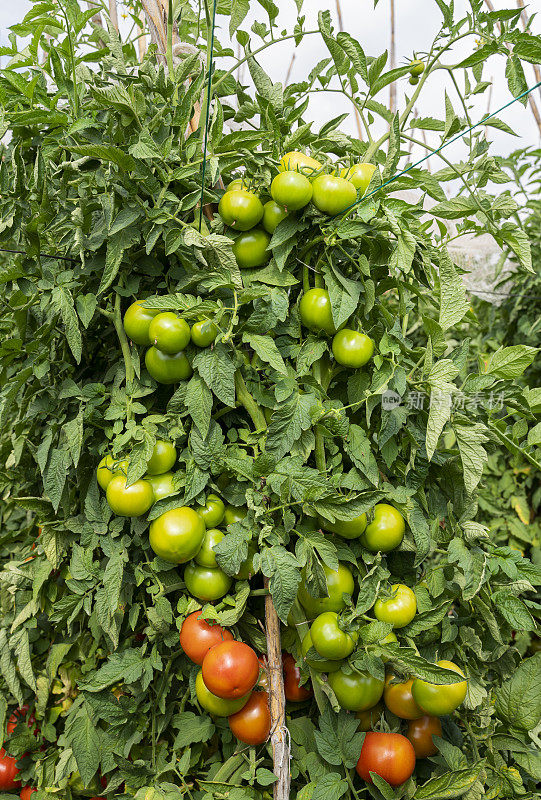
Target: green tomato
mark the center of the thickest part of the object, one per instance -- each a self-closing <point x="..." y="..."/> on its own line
<point x="137" y="322"/>
<point x="204" y="332"/>
<point x="250" y="248"/>
<point x="321" y="665"/>
<point x="205" y="583"/>
<point x="162" y="459"/>
<point x="329" y="639"/>
<point x="386" y="531"/>
<point x="240" y="209"/>
<point x="299" y="162"/>
<point x="234" y="514"/>
<point x="129" y="501"/>
<point x="438" y="700"/>
<point x="332" y="194"/>
<point x="165" y="368"/>
<point x="351" y="348"/>
<point x="359" y="175"/>
<point x="169" y="333"/>
<point x="273" y="214"/>
<point x="315" y="311"/>
<point x="291" y="190"/>
<point x="107" y="468"/>
<point x="237" y="183"/>
<point x="339" y="582"/>
<point x="213" y="511"/>
<point x="356" y="691"/>
<point x="417" y="67"/>
<point x="177" y="535"/>
<point x="206" y="556"/>
<point x="348" y="529"/>
<point x="399" y="609"/>
<point x="413" y="80"/>
<point x="162" y="485"/>
<point x="217" y="706"/>
<point x="247" y="567"/>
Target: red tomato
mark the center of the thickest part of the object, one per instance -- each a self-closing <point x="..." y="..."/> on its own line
<point x="26" y="791"/>
<point x="252" y="723"/>
<point x="230" y="669"/>
<point x="295" y="693"/>
<point x="18" y="715"/>
<point x="197" y="636"/>
<point x="389" y="755"/>
<point x="420" y="732"/>
<point x="8" y="772"/>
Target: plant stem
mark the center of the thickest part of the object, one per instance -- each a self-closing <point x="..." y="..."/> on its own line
<point x="227" y="769"/>
<point x="245" y="399"/>
<point x="124" y="344"/>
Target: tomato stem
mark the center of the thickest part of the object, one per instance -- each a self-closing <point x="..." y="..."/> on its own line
<point x="245" y="399"/>
<point x="125" y="347"/>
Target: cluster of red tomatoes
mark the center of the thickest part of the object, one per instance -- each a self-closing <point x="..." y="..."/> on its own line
<point x="300" y="179"/>
<point x="166" y="334"/>
<point x="8" y="765"/>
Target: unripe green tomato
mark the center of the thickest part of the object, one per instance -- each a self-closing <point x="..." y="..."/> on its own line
<point x="107" y="468"/>
<point x="237" y="183"/>
<point x="162" y="485"/>
<point x="329" y="639"/>
<point x="204" y="332"/>
<point x="205" y="583"/>
<point x="129" y="501"/>
<point x="163" y="457"/>
<point x="291" y="190"/>
<point x="332" y="194"/>
<point x="165" y="368"/>
<point x="438" y="700"/>
<point x="247" y="567"/>
<point x="328" y="665"/>
<point x="315" y="311"/>
<point x="250" y="248"/>
<point x="413" y="79"/>
<point x="240" y="209"/>
<point x="348" y="529"/>
<point x="137" y="322"/>
<point x="339" y="582"/>
<point x="356" y="691"/>
<point x="417" y="67"/>
<point x="299" y="162"/>
<point x="359" y="175"/>
<point x="273" y="214"/>
<point x="351" y="348"/>
<point x="399" y="609"/>
<point x="386" y="530"/>
<point x="217" y="706"/>
<point x="169" y="333"/>
<point x="206" y="556"/>
<point x="177" y="535"/>
<point x="234" y="514"/>
<point x="213" y="511"/>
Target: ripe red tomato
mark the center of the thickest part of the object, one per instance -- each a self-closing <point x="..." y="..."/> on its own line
<point x="163" y="457"/>
<point x="231" y="669"/>
<point x="8" y="771"/>
<point x="240" y="209"/>
<point x="250" y="248"/>
<point x="129" y="501"/>
<point x="295" y="693"/>
<point x="197" y="636"/>
<point x="169" y="332"/>
<point x="420" y="732"/>
<point x="18" y="715"/>
<point x="352" y="348"/>
<point x="389" y="755"/>
<point x="252" y="723"/>
<point x="399" y="609"/>
<point x="26" y="792"/>
<point x="332" y="195"/>
<point x="165" y="368"/>
<point x="217" y="706"/>
<point x="177" y="535"/>
<point x="291" y="190"/>
<point x="315" y="311"/>
<point x="386" y="530"/>
<point x="399" y="699"/>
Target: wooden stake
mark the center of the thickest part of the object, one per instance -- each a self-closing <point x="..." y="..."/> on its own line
<point x="113" y="13"/>
<point x="341" y="26"/>
<point x="288" y="74"/>
<point x="96" y="19"/>
<point x="277" y="700"/>
<point x="392" y="87"/>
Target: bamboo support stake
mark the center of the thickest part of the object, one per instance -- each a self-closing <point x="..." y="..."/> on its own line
<point x="392" y="87"/>
<point x="113" y="13"/>
<point x="277" y="700"/>
<point x="288" y="75"/>
<point x="96" y="19"/>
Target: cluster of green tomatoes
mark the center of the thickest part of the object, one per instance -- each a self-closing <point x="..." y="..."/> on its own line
<point x="181" y="534"/>
<point x="166" y="334"/>
<point x="416" y="69"/>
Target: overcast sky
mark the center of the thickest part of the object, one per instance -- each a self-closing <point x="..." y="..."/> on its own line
<point x="416" y="23"/>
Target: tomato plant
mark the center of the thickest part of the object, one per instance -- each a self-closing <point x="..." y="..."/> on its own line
<point x="252" y="724"/>
<point x="8" y="772"/>
<point x="217" y="706"/>
<point x="349" y="529"/>
<point x="137" y="322"/>
<point x="291" y="190"/>
<point x="273" y="214"/>
<point x="206" y="556"/>
<point x="165" y="368"/>
<point x="129" y="501"/>
<point x="389" y="755"/>
<point x="162" y="485"/>
<point x="27" y="792"/>
<point x="250" y="248"/>
<point x="203" y="332"/>
<point x="351" y="348"/>
<point x="198" y="635"/>
<point x="359" y="175"/>
<point x="162" y="459"/>
<point x="314" y="660"/>
<point x="333" y="194"/>
<point x="231" y="669"/>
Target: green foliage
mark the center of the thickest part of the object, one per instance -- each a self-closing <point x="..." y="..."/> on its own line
<point x="100" y="188"/>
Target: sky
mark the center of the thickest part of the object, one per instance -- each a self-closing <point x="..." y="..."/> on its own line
<point x="416" y="23"/>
